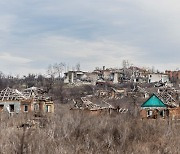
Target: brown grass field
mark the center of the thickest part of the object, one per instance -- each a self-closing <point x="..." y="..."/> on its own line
<point x="78" y="132"/>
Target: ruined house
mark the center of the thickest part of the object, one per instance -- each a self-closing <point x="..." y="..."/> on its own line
<point x="74" y="76"/>
<point x="138" y="75"/>
<point x="174" y="75"/>
<point x="14" y="101"/>
<point x="95" y="105"/>
<point x="10" y="100"/>
<point x="118" y="93"/>
<point x="158" y="77"/>
<point x="40" y="101"/>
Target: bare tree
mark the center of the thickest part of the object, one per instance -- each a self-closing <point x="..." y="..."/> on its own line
<point x="125" y="64"/>
<point x="78" y="67"/>
<point x="58" y="69"/>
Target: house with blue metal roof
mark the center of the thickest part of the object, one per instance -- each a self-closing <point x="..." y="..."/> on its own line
<point x="154" y="107"/>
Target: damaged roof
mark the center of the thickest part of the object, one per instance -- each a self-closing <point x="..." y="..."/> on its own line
<point x="9" y="94"/>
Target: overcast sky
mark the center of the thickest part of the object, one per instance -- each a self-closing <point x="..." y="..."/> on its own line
<point x="36" y="33"/>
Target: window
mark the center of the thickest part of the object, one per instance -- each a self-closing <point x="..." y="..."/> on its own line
<point x="149" y="113"/>
<point x="11" y="108"/>
<point x="36" y="107"/>
<point x="25" y="108"/>
<point x="162" y="113"/>
<point x="48" y="108"/>
<point x="1" y="107"/>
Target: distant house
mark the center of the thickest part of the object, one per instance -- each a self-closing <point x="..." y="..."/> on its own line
<point x="158" y="77"/>
<point x="74" y="76"/>
<point x="174" y="75"/>
<point x="14" y="101"/>
<point x="154" y="107"/>
<point x="10" y="100"/>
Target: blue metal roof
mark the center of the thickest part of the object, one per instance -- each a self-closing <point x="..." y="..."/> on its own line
<point x="153" y="101"/>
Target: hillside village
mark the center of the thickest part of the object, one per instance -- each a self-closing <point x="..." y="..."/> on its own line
<point x="107" y="110"/>
<point x="104" y="90"/>
<point x="125" y="90"/>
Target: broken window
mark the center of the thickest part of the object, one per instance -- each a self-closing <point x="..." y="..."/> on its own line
<point x="25" y="108"/>
<point x="149" y="113"/>
<point x="11" y="108"/>
<point x="162" y="113"/>
<point x="1" y="107"/>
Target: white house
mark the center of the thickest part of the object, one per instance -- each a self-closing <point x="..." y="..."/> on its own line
<point x="158" y="77"/>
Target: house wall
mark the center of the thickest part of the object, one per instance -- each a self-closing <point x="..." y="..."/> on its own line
<point x="43" y="105"/>
<point x="93" y="77"/>
<point x="106" y="75"/>
<point x="69" y="78"/>
<point x="157" y="77"/>
<point x="144" y="112"/>
<point x="115" y="78"/>
<point x="29" y="104"/>
<point x="51" y="104"/>
<point x="174" y="113"/>
<point x="66" y="79"/>
<point x="8" y="103"/>
<point x="156" y="113"/>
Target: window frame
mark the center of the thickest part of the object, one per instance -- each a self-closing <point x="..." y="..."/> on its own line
<point x="10" y="108"/>
<point x="25" y="108"/>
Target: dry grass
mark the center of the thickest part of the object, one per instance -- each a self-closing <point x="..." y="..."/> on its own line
<point x="78" y="132"/>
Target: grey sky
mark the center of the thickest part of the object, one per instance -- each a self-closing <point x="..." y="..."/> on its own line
<point x="36" y="33"/>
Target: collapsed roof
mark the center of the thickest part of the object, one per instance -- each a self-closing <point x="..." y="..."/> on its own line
<point x="35" y="93"/>
<point x="169" y="96"/>
<point x="9" y="94"/>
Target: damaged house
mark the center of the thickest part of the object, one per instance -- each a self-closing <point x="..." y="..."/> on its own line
<point x="10" y="100"/>
<point x="40" y="102"/>
<point x="74" y="76"/>
<point x="14" y="101"/>
<point x="158" y="77"/>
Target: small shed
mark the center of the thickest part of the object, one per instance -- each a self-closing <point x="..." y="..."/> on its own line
<point x="153" y="108"/>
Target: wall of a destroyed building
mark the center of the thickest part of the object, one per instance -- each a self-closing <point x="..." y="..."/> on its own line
<point x="8" y="103"/>
<point x="115" y="78"/>
<point x="42" y="106"/>
<point x="51" y="104"/>
<point x="66" y="79"/>
<point x="93" y="77"/>
<point x="69" y="77"/>
<point x="143" y="114"/>
<point x="174" y="113"/>
<point x="29" y="104"/>
<point x="175" y="76"/>
<point x="155" y="113"/>
<point x="106" y="75"/>
<point x="158" y="77"/>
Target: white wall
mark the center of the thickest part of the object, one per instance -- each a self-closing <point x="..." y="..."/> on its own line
<point x="158" y="77"/>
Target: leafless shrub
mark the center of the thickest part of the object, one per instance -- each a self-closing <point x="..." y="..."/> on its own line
<point x="69" y="131"/>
